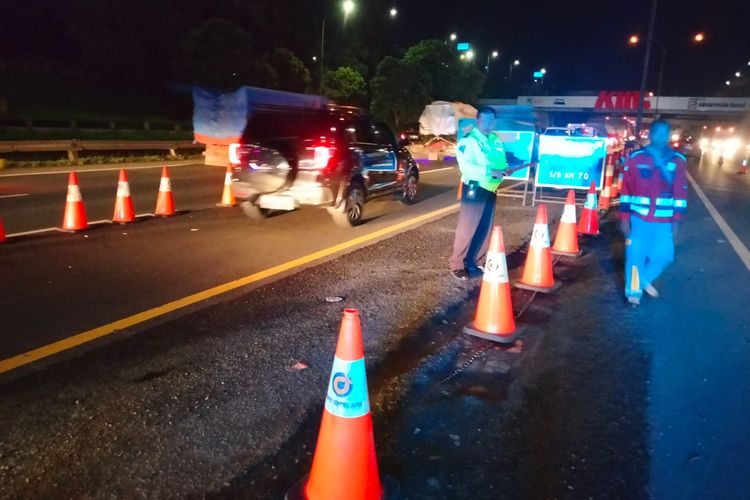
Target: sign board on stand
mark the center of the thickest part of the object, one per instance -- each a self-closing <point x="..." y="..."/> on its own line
<point x="569" y="163"/>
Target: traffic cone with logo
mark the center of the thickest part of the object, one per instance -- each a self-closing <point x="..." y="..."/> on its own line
<point x="345" y="465"/>
<point x="537" y="272"/>
<point x="227" y="197"/>
<point x="614" y="189"/>
<point x="494" y="319"/>
<point x="589" y="222"/>
<point x="74" y="218"/>
<point x="566" y="240"/>
<point x="165" y="201"/>
<point x="2" y="231"/>
<point x="124" y="211"/>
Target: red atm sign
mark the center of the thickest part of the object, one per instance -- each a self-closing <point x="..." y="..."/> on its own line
<point x="620" y="100"/>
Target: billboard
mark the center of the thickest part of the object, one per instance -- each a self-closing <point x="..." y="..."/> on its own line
<point x="571" y="162"/>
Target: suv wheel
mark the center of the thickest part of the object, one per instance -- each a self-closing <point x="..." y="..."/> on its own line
<point x="254" y="211"/>
<point x="411" y="189"/>
<point x="351" y="213"/>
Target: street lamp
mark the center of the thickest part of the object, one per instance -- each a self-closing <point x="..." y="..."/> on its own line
<point x="347" y="7"/>
<point x="393" y="12"/>
<point x="738" y="74"/>
<point x="727" y="83"/>
<point x="510" y="68"/>
<point x="634" y="40"/>
<point x="494" y="55"/>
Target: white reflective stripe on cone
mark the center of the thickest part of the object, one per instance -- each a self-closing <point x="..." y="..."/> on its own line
<point x="74" y="194"/>
<point x="540" y="236"/>
<point x="165" y="185"/>
<point x="123" y="190"/>
<point x="569" y="214"/>
<point x="228" y="179"/>
<point x="590" y="201"/>
<point x="496" y="268"/>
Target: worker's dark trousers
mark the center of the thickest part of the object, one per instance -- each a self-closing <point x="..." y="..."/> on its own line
<point x="473" y="229"/>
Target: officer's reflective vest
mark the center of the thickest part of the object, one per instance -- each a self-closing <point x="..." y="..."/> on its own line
<point x="651" y="194"/>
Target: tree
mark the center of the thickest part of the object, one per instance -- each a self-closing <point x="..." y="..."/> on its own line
<point x="344" y="85"/>
<point x="291" y="73"/>
<point x="220" y="54"/>
<point x="400" y="91"/>
<point x="451" y="79"/>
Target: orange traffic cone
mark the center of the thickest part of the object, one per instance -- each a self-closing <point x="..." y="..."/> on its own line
<point x="566" y="240"/>
<point x="227" y="197"/>
<point x="743" y="167"/>
<point x="460" y="190"/>
<point x="165" y="201"/>
<point x="124" y="211"/>
<point x="494" y="319"/>
<point x="605" y="194"/>
<point x="74" y="218"/>
<point x="345" y="441"/>
<point x="589" y="222"/>
<point x="537" y="272"/>
<point x="2" y="231"/>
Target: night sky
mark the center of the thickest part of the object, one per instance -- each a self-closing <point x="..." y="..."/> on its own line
<point x="583" y="45"/>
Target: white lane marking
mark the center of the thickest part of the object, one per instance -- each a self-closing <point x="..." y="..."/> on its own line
<point x="35" y="231"/>
<point x="436" y="170"/>
<point x="110" y="169"/>
<point x="739" y="247"/>
<point x="14" y="195"/>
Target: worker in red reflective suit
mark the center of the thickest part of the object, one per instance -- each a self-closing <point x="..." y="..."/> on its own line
<point x="652" y="203"/>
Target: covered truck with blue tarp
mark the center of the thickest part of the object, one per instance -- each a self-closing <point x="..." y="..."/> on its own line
<point x="220" y="117"/>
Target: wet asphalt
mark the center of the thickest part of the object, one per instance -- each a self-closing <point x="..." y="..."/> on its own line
<point x="599" y="400"/>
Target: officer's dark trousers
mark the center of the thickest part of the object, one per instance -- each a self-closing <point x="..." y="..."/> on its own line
<point x="473" y="229"/>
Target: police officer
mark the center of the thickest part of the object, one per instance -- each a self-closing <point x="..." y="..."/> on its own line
<point x="652" y="204"/>
<point x="482" y="162"/>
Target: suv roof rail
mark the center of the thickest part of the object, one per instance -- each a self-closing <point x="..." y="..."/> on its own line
<point x="351" y="109"/>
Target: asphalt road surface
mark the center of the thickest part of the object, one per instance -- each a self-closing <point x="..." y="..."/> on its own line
<point x="599" y="401"/>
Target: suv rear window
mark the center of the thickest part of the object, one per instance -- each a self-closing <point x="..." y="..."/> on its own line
<point x="281" y="125"/>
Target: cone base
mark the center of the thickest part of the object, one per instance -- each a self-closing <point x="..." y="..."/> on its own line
<point x="71" y="231"/>
<point x="589" y="234"/>
<point x="391" y="489"/>
<point x="508" y="338"/>
<point x="534" y="288"/>
<point x="567" y="254"/>
<point x="225" y="205"/>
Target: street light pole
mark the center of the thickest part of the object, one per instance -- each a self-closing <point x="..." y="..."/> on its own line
<point x="510" y="68"/>
<point x="661" y="75"/>
<point x="322" y="51"/>
<point x="644" y="76"/>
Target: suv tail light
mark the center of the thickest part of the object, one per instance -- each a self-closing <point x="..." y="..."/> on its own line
<point x="323" y="151"/>
<point x="234" y="154"/>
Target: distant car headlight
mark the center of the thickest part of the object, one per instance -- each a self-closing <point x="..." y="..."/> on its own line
<point x="733" y="144"/>
<point x="704" y="143"/>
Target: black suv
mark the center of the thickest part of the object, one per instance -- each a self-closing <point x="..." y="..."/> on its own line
<point x="333" y="157"/>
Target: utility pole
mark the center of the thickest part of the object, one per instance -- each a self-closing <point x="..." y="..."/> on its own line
<point x="644" y="76"/>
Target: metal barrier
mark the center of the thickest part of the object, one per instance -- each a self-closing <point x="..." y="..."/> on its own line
<point x="74" y="147"/>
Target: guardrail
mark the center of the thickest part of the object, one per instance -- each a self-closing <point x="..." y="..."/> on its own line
<point x="74" y="147"/>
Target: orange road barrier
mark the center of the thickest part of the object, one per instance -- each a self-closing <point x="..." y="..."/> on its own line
<point x="566" y="240"/>
<point x="589" y="222"/>
<point x="494" y="319"/>
<point x="124" y="211"/>
<point x="345" y="465"/>
<point x="164" y="200"/>
<point x="537" y="272"/>
<point x="74" y="218"/>
<point x="227" y="197"/>
<point x="2" y="231"/>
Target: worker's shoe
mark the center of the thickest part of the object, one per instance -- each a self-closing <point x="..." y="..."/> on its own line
<point x="651" y="291"/>
<point x="475" y="271"/>
<point x="634" y="301"/>
<point x="460" y="274"/>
